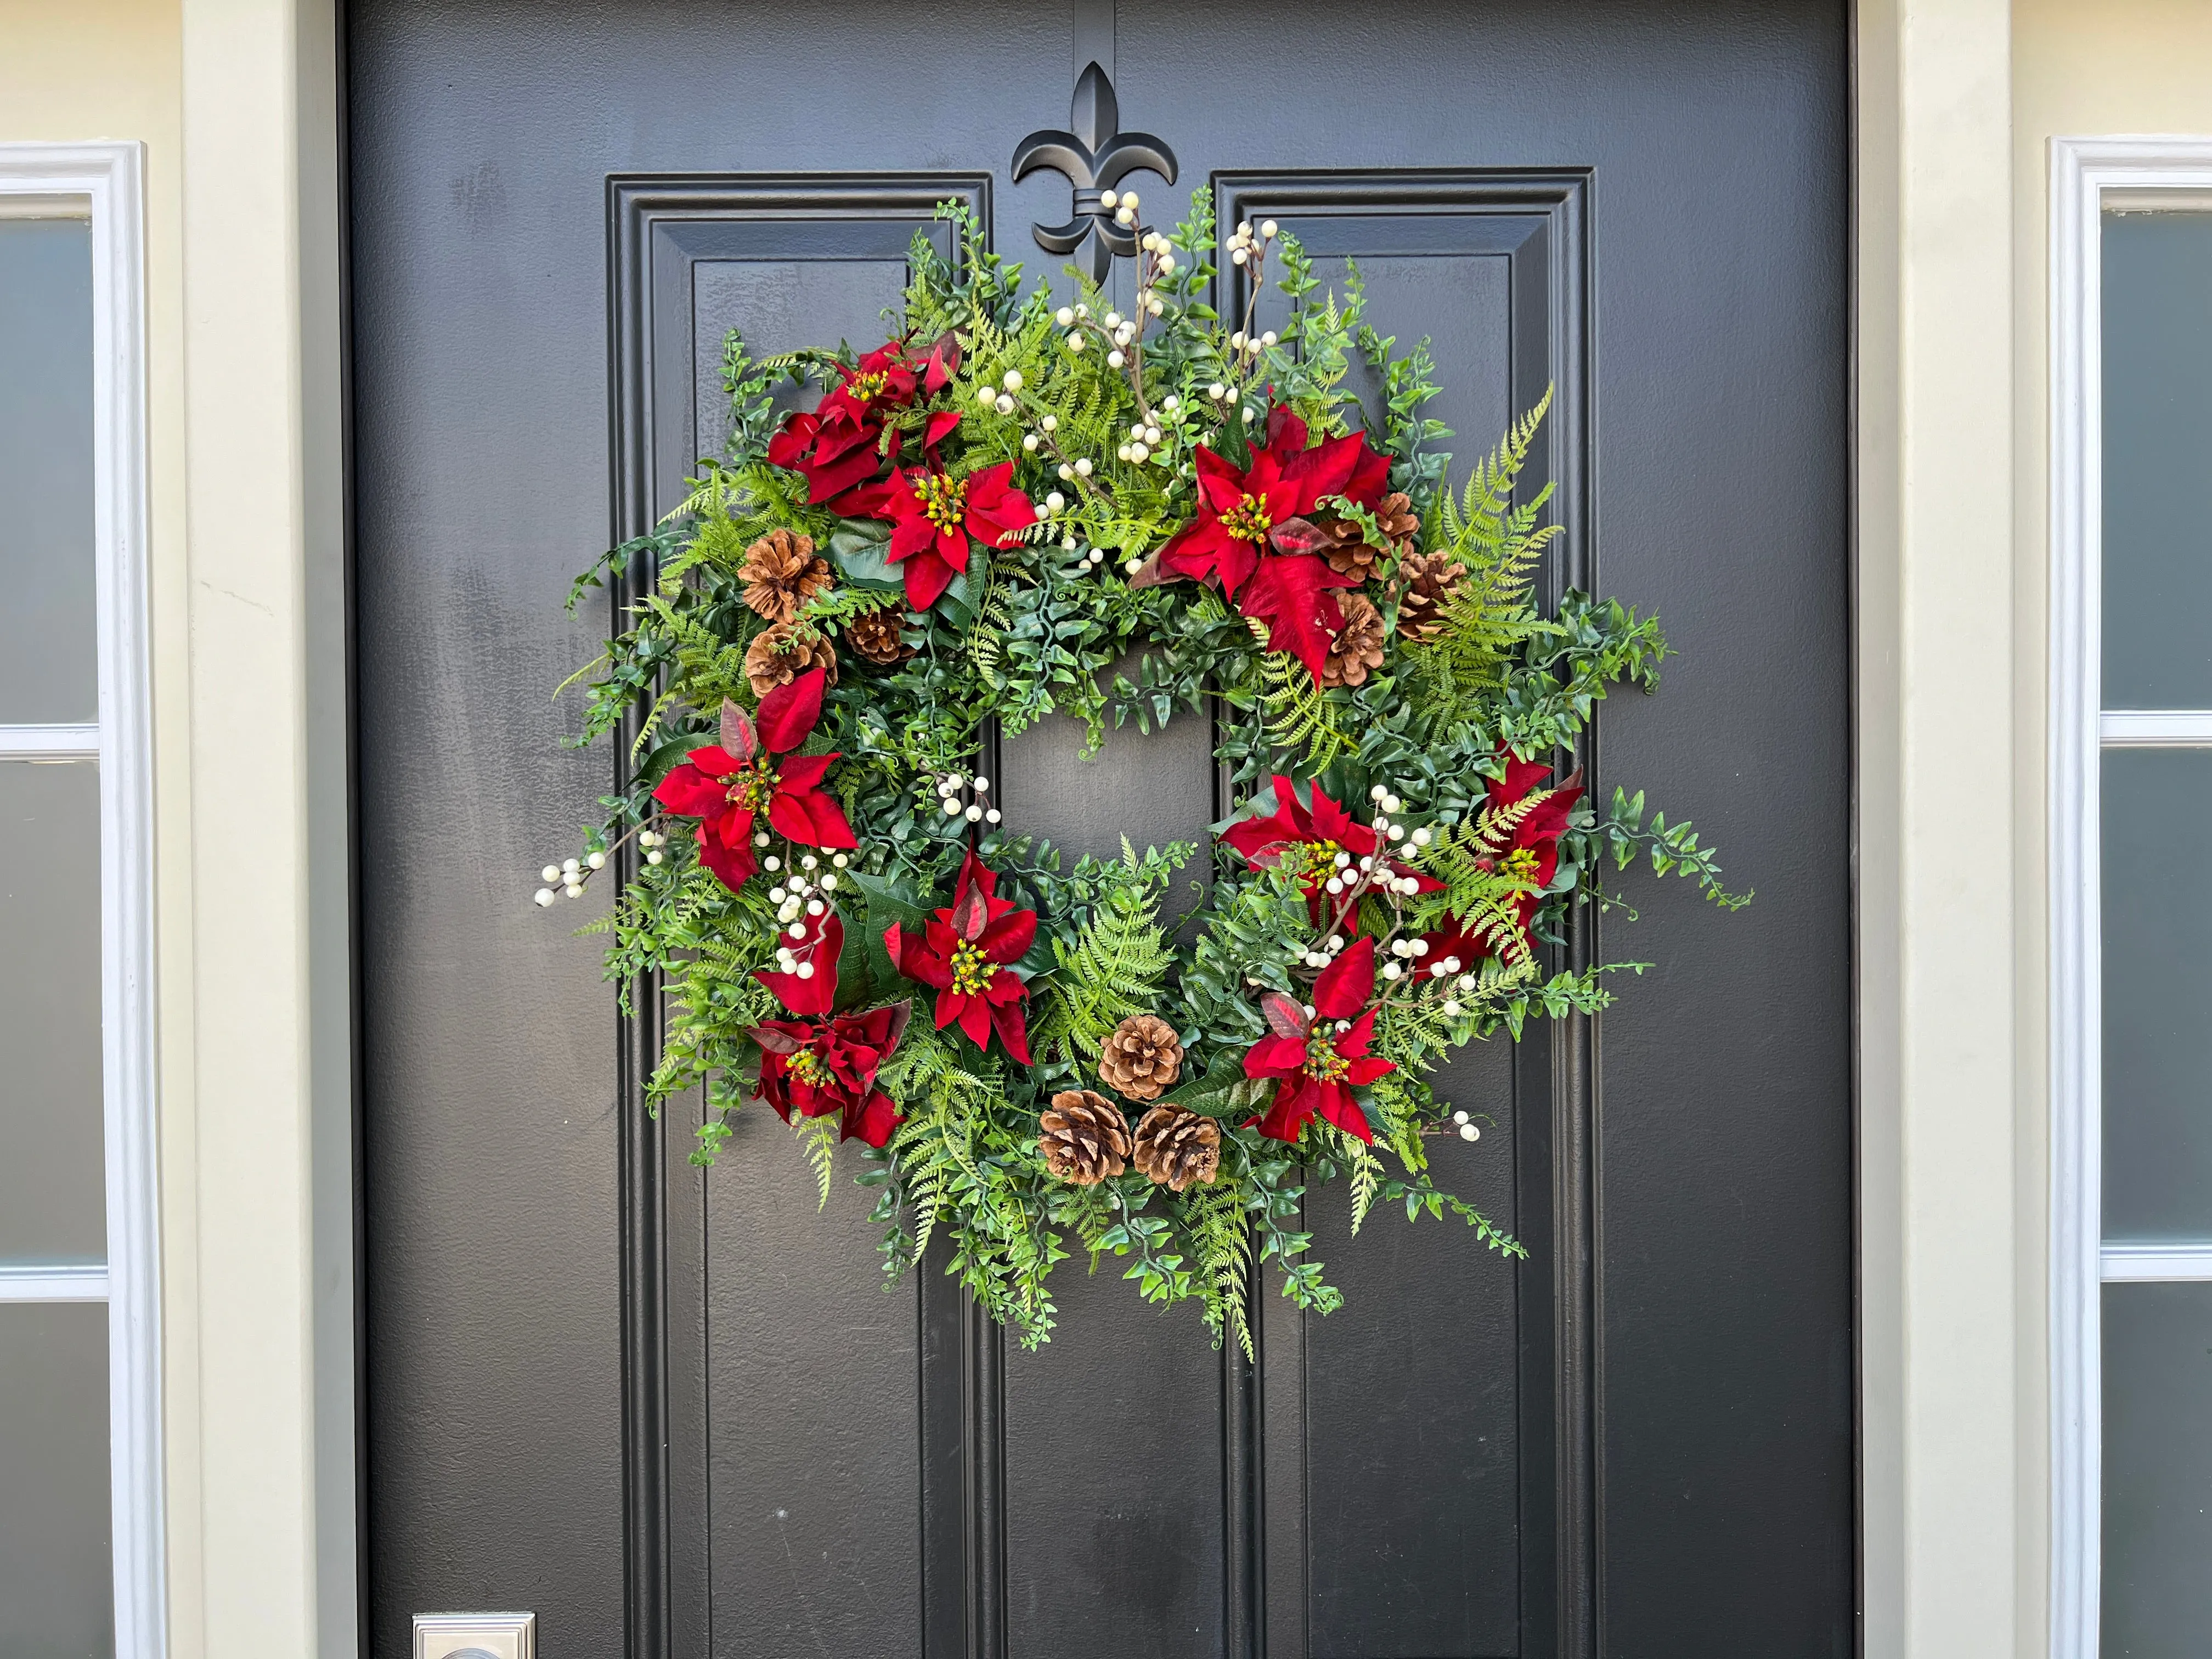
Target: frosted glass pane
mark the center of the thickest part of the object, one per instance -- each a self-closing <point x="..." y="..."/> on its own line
<point x="2158" y="1470"/>
<point x="2158" y="994"/>
<point x="51" y="1204"/>
<point x="48" y="654"/>
<point x="56" y="1573"/>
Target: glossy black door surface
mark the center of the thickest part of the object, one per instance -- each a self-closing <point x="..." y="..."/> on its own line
<point x="676" y="1415"/>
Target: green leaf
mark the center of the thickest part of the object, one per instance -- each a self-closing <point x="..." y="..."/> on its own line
<point x="861" y="548"/>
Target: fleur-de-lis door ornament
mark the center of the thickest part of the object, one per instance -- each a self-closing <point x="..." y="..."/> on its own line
<point x="1096" y="157"/>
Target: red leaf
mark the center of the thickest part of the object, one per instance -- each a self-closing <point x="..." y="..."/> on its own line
<point x="970" y="915"/>
<point x="1286" y="1015"/>
<point x="1285" y="593"/>
<point x="1346" y="984"/>
<point x="1296" y="536"/>
<point x="774" y="1042"/>
<point x="788" y="713"/>
<point x="738" y="734"/>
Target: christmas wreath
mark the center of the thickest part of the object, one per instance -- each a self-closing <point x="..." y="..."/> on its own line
<point x="1018" y="507"/>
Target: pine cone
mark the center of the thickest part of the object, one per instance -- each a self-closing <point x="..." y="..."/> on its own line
<point x="1346" y="551"/>
<point x="1394" y="512"/>
<point x="1423" y="585"/>
<point x="1357" y="651"/>
<point x="875" y="636"/>
<point x="1175" y="1147"/>
<point x="778" y="656"/>
<point x="781" y="574"/>
<point x="1142" y="1058"/>
<point x="1084" y="1137"/>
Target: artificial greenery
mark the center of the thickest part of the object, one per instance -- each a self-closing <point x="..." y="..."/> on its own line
<point x="1076" y="612"/>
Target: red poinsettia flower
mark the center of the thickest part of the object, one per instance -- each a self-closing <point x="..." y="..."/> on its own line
<point x="1320" y="1059"/>
<point x="1252" y="535"/>
<point x="882" y="379"/>
<point x="1313" y="837"/>
<point x="821" y="1062"/>
<point x="838" y="445"/>
<point x="753" y="771"/>
<point x="1529" y="853"/>
<point x="934" y="515"/>
<point x="964" y="952"/>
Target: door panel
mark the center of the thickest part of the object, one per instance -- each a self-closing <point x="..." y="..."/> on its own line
<point x="674" y="1413"/>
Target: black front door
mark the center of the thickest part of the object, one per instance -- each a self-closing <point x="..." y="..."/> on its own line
<point x="678" y="1415"/>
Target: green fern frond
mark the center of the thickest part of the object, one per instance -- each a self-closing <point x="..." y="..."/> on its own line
<point x="1118" y="964"/>
<point x="817" y="1140"/>
<point x="1214" y="1217"/>
<point x="1298" y="713"/>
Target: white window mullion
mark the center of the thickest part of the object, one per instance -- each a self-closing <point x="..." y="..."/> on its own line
<point x="49" y="743"/>
<point x="2155" y="728"/>
<point x="87" y="1283"/>
<point x="2133" y="1263"/>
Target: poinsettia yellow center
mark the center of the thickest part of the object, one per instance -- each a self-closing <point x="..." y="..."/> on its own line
<point x="807" y="1065"/>
<point x="1249" y="519"/>
<point x="972" y="969"/>
<point x="944" y="500"/>
<point x="867" y="385"/>
<point x="753" y="788"/>
<point x="1323" y="1063"/>
<point x="1521" y="865"/>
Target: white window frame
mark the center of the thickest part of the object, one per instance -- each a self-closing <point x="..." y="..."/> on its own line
<point x="104" y="183"/>
<point x="2088" y="175"/>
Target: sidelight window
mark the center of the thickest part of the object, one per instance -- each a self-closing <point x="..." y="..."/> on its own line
<point x="2132" y="899"/>
<point x="79" y="1469"/>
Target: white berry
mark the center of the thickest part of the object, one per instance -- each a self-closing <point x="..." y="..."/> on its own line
<point x="543" y="895"/>
<point x="549" y="874"/>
